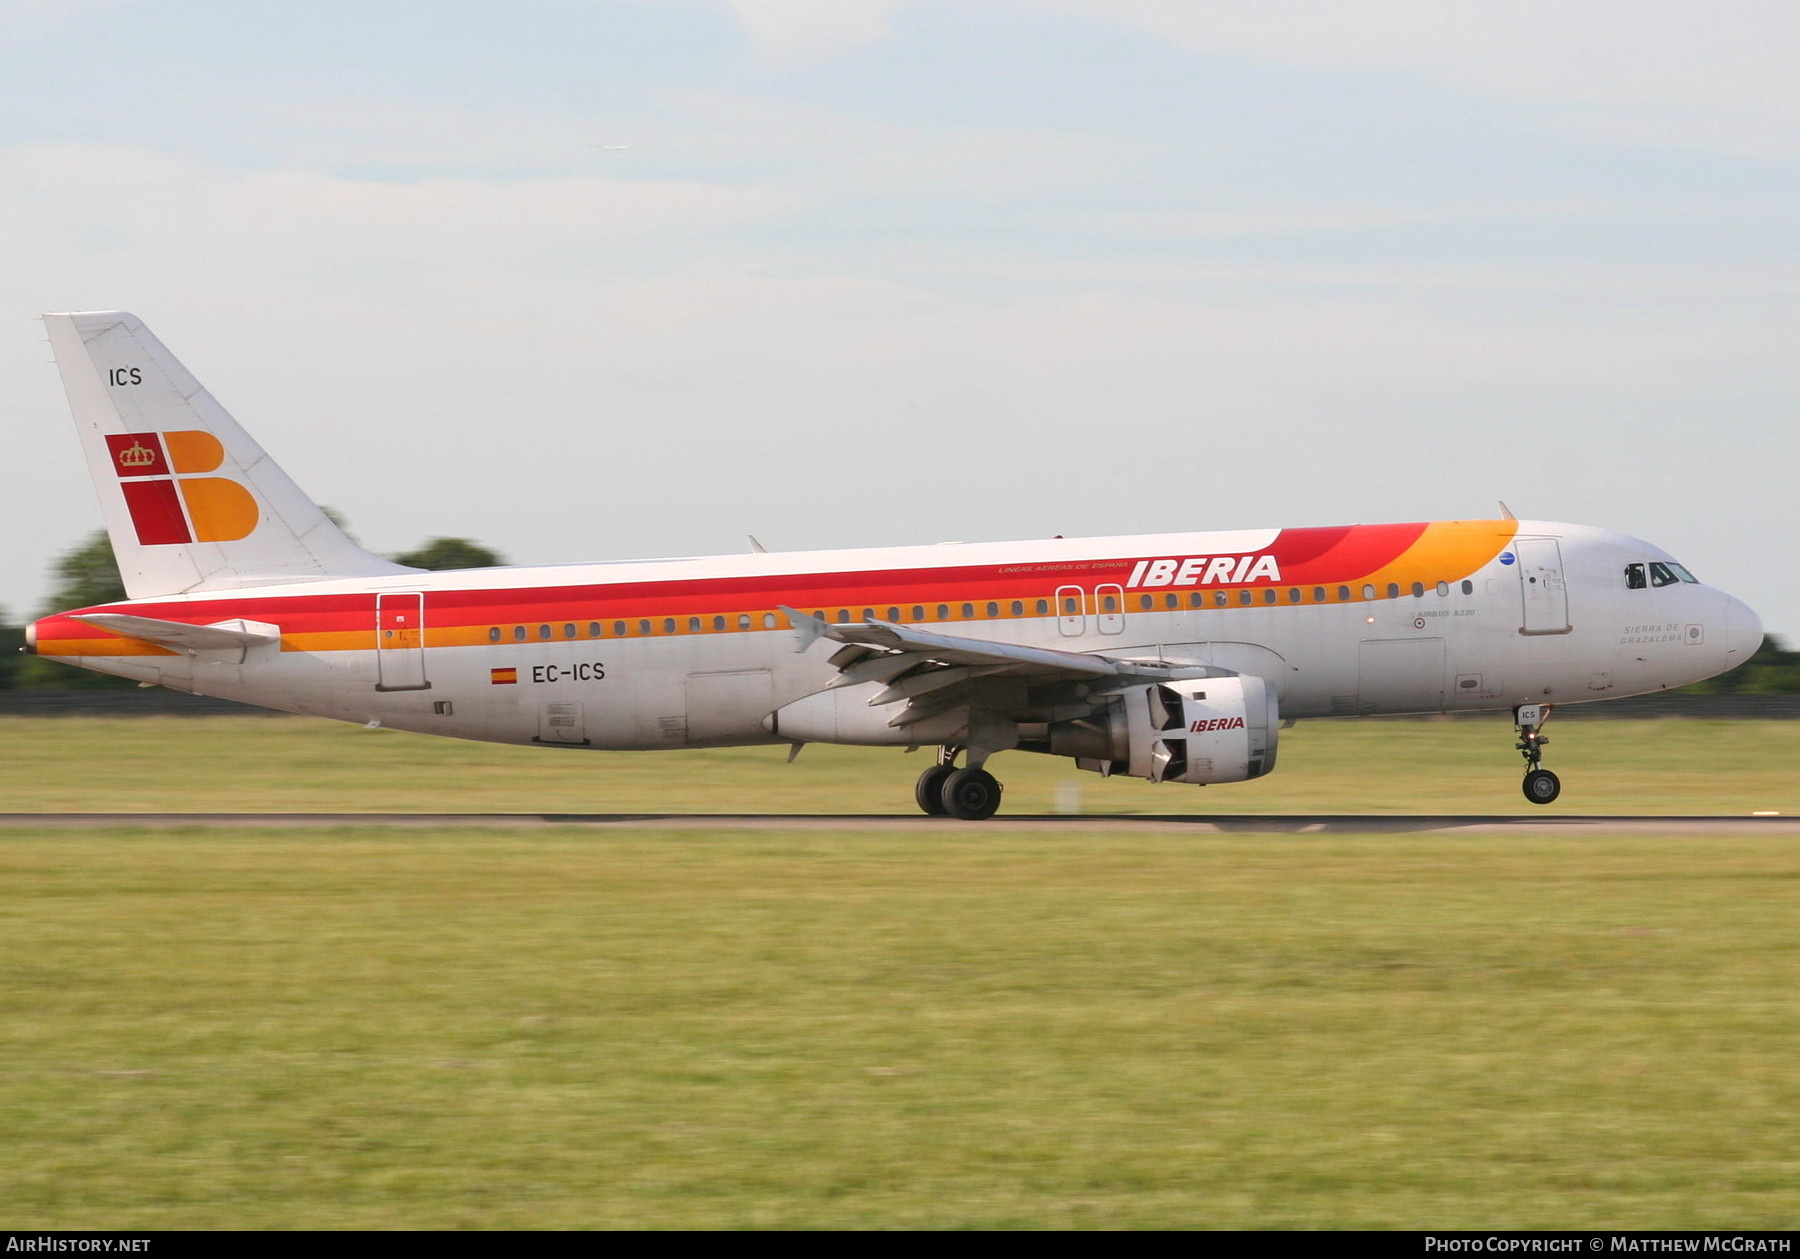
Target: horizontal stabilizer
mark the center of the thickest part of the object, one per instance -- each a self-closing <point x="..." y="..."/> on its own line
<point x="181" y="635"/>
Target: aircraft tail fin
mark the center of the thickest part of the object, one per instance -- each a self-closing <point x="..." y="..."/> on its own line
<point x="191" y="501"/>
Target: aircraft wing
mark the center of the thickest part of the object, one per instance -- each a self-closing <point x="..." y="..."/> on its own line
<point x="932" y="671"/>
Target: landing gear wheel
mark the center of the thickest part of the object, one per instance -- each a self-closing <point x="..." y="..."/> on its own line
<point x="1541" y="786"/>
<point x="971" y="794"/>
<point x="929" y="790"/>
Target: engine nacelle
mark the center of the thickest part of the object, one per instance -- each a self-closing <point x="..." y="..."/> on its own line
<point x="1206" y="730"/>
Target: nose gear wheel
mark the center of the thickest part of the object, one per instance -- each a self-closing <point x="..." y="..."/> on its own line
<point x="1540" y="785"/>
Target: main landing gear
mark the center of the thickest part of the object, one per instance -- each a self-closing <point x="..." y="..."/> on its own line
<point x="1540" y="785"/>
<point x="971" y="793"/>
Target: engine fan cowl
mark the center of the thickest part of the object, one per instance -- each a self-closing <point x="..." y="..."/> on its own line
<point x="1206" y="730"/>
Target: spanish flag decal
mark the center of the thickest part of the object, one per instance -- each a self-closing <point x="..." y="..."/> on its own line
<point x="503" y="677"/>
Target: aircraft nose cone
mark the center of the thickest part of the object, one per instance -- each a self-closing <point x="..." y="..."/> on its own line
<point x="1743" y="631"/>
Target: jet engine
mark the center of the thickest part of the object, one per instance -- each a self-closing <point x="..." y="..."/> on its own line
<point x="1205" y="730"/>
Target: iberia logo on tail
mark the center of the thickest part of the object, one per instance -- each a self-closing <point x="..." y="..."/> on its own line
<point x="171" y="502"/>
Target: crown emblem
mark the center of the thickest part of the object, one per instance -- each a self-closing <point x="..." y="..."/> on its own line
<point x="136" y="456"/>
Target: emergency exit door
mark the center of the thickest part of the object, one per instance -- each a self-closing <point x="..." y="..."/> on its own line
<point x="1071" y="611"/>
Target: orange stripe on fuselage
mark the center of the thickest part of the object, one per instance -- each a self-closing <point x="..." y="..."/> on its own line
<point x="100" y="647"/>
<point x="1446" y="551"/>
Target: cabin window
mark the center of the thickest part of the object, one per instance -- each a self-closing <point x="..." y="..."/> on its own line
<point x="1468" y="587"/>
<point x="1043" y="606"/>
<point x="668" y="625"/>
<point x="893" y="614"/>
<point x="1393" y="590"/>
<point x="1443" y="589"/>
<point x="619" y="629"/>
<point x="718" y="622"/>
<point x="1018" y="608"/>
<point x="968" y="611"/>
<point x="768" y="620"/>
<point x="1146" y="602"/>
<point x="993" y="610"/>
<point x="1269" y="596"/>
<point x="1294" y="595"/>
<point x="643" y="627"/>
<point x="1343" y="594"/>
<point x="544" y="631"/>
<point x="1418" y="590"/>
<point x="1171" y="601"/>
<point x="943" y="612"/>
<point x="743" y="620"/>
<point x="1221" y="598"/>
<point x="1072" y="605"/>
<point x="1368" y="592"/>
<point x="494" y="634"/>
<point x="518" y="633"/>
<point x="569" y="630"/>
<point x="1196" y="600"/>
<point x="843" y="616"/>
<point x="1318" y="594"/>
<point x="1246" y="597"/>
<point x="918" y="613"/>
<point x="595" y="629"/>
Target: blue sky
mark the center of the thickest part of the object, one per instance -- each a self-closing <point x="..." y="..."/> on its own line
<point x="872" y="271"/>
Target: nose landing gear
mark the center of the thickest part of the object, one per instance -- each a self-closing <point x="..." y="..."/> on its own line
<point x="971" y="794"/>
<point x="1540" y="785"/>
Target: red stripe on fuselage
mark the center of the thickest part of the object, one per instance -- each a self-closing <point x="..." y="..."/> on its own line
<point x="1306" y="557"/>
<point x="1359" y="551"/>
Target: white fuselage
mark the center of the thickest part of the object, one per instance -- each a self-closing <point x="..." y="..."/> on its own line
<point x="695" y="652"/>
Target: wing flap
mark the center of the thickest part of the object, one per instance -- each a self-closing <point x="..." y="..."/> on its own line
<point x="934" y="674"/>
<point x="955" y="649"/>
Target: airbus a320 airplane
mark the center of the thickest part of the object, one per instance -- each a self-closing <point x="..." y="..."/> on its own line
<point x="1173" y="658"/>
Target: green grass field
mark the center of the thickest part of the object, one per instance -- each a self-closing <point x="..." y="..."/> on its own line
<point x="283" y="764"/>
<point x="708" y="1028"/>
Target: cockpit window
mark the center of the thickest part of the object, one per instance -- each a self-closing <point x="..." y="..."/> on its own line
<point x="1683" y="573"/>
<point x="1660" y="574"/>
<point x="1634" y="577"/>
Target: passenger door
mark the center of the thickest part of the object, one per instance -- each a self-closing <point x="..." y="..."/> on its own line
<point x="1546" y="595"/>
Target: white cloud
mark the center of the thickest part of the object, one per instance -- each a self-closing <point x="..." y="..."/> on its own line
<point x="790" y="32"/>
<point x="1652" y="71"/>
<point x="901" y="159"/>
<point x="33" y="15"/>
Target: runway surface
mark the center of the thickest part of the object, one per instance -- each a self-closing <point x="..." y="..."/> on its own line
<point x="1293" y="823"/>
